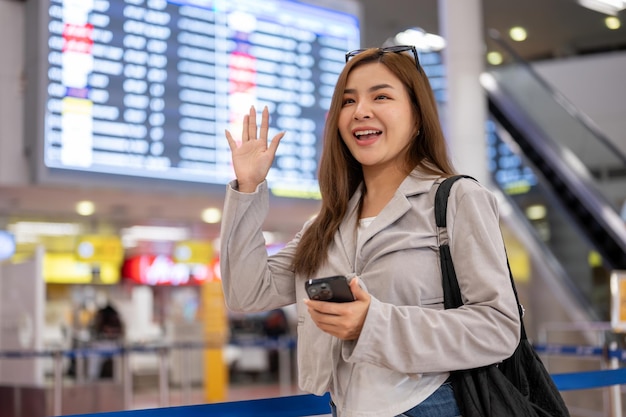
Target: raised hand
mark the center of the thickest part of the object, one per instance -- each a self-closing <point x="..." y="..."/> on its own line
<point x="253" y="158"/>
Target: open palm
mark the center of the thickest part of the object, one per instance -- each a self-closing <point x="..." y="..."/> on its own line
<point x="252" y="159"/>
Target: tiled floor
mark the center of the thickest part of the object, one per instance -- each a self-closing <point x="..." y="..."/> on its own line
<point x="239" y="392"/>
<point x="235" y="392"/>
<point x="109" y="396"/>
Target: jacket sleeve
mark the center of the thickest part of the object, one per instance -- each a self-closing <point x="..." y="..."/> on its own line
<point x="486" y="330"/>
<point x="252" y="280"/>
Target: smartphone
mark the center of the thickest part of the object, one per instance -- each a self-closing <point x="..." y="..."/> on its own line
<point x="335" y="289"/>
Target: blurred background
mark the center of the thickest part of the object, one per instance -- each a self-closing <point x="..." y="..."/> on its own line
<point x="113" y="167"/>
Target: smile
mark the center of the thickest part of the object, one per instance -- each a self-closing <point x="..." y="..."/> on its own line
<point x="362" y="133"/>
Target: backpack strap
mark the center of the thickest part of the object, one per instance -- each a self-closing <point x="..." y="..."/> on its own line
<point x="451" y="290"/>
<point x="441" y="198"/>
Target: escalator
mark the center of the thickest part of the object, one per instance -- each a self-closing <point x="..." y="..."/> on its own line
<point x="550" y="158"/>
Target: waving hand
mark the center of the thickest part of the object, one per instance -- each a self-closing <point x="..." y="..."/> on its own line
<point x="253" y="158"/>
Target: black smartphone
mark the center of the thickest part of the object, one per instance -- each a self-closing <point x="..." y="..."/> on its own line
<point x="335" y="289"/>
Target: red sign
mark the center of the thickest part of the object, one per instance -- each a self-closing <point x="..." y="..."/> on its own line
<point x="163" y="270"/>
<point x="78" y="38"/>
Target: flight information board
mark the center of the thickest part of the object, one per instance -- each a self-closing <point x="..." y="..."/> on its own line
<point x="146" y="88"/>
<point x="507" y="168"/>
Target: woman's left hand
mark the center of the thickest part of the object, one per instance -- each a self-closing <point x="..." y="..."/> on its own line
<point x="342" y="320"/>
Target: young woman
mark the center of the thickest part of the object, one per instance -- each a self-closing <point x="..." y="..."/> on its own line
<point x="390" y="351"/>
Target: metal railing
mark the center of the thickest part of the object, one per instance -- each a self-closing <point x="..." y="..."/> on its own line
<point x="610" y="377"/>
<point x="121" y="354"/>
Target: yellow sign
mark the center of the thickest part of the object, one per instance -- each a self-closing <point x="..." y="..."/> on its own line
<point x="64" y="268"/>
<point x="213" y="313"/>
<point x="193" y="252"/>
<point x="215" y="333"/>
<point x="95" y="248"/>
<point x="519" y="260"/>
<point x="618" y="301"/>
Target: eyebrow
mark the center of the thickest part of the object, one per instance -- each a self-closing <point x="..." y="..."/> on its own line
<point x="371" y="89"/>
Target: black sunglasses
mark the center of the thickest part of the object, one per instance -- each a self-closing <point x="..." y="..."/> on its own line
<point x="396" y="49"/>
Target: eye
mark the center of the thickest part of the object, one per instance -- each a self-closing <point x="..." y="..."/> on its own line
<point x="381" y="97"/>
<point x="347" y="100"/>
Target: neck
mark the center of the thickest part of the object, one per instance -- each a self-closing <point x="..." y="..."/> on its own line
<point x="379" y="189"/>
<point x="382" y="180"/>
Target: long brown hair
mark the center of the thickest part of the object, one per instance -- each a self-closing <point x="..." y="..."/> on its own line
<point x="340" y="173"/>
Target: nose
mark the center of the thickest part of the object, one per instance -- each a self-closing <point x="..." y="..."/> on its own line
<point x="362" y="111"/>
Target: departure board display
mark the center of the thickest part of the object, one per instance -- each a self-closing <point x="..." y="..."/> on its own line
<point x="146" y="88"/>
<point x="507" y="168"/>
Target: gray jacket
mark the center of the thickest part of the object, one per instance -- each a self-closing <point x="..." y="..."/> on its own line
<point x="408" y="343"/>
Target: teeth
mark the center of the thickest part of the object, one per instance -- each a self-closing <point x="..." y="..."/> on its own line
<point x="366" y="132"/>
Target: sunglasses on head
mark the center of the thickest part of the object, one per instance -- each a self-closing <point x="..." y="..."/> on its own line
<point x="396" y="49"/>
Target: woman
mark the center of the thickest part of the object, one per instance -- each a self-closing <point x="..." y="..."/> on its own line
<point x="390" y="351"/>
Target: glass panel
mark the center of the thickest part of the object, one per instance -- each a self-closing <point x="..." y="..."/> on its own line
<point x="582" y="144"/>
<point x="554" y="229"/>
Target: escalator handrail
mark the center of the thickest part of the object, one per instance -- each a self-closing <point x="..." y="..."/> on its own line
<point x="573" y="174"/>
<point x="559" y="99"/>
<point x="550" y="269"/>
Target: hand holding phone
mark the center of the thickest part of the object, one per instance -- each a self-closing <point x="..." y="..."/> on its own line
<point x="335" y="289"/>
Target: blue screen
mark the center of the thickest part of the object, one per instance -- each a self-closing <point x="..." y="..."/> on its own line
<point x="146" y="88"/>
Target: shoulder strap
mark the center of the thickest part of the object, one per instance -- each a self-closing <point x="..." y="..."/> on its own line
<point x="451" y="291"/>
<point x="441" y="198"/>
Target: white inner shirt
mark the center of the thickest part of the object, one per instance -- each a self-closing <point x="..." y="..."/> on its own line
<point x="364" y="222"/>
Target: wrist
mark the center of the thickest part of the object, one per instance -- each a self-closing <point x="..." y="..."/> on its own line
<point x="246" y="187"/>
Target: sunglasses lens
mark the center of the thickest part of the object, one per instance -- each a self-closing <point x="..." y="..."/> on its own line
<point x="353" y="53"/>
<point x="399" y="48"/>
<point x="394" y="49"/>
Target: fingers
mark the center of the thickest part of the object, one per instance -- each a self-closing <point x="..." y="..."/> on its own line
<point x="244" y="129"/>
<point x="342" y="320"/>
<point x="324" y="308"/>
<point x="265" y="124"/>
<point x="249" y="130"/>
<point x="341" y="323"/>
<point x="231" y="142"/>
<point x="358" y="292"/>
<point x="274" y="144"/>
<point x="251" y="125"/>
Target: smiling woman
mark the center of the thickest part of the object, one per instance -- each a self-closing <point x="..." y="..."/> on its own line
<point x="384" y="156"/>
<point x="377" y="124"/>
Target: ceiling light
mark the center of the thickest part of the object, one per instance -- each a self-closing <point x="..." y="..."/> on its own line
<point x="423" y="41"/>
<point x="26" y="232"/>
<point x="154" y="233"/>
<point x="45" y="228"/>
<point x="611" y="7"/>
<point x="494" y="58"/>
<point x="488" y="81"/>
<point x="518" y="33"/>
<point x="85" y="208"/>
<point x="612" y="22"/>
<point x="536" y="212"/>
<point x="211" y="215"/>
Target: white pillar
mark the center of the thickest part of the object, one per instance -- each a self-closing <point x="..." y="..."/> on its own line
<point x="13" y="164"/>
<point x="461" y="24"/>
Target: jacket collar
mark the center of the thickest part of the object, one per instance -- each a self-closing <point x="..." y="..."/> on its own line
<point x="417" y="182"/>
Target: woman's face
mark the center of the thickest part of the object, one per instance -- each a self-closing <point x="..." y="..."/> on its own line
<point x="376" y="121"/>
